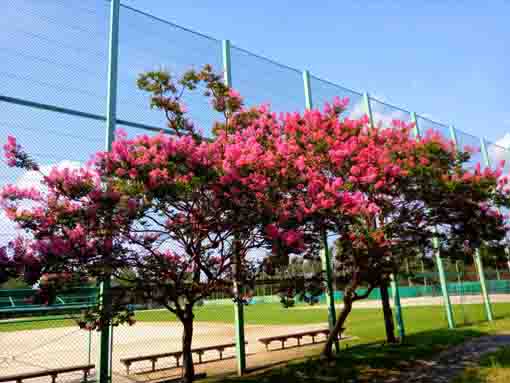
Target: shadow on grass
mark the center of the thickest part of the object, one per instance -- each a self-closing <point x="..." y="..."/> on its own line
<point x="494" y="367"/>
<point x="498" y="359"/>
<point x="375" y="362"/>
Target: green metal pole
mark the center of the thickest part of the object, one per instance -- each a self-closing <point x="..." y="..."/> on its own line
<point x="487" y="160"/>
<point x="478" y="259"/>
<point x="105" y="351"/>
<point x="396" y="294"/>
<point x="330" y="293"/>
<point x="461" y="287"/>
<point x="308" y="90"/>
<point x="238" y="305"/>
<point x="398" y="307"/>
<point x="416" y="129"/>
<point x="105" y="340"/>
<point x="485" y="153"/>
<point x="481" y="276"/>
<point x="368" y="109"/>
<point x="444" y="287"/>
<point x="325" y="254"/>
<point x="453" y="135"/>
<point x="439" y="262"/>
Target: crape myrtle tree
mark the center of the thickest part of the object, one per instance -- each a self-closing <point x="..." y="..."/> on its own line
<point x="195" y="225"/>
<point x="421" y="191"/>
<point x="380" y="191"/>
<point x="181" y="210"/>
<point x="71" y="229"/>
<point x="175" y="209"/>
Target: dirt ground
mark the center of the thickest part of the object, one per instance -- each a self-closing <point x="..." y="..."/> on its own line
<point x="35" y="350"/>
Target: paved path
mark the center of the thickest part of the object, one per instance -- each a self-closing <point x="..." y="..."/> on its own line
<point x="450" y="363"/>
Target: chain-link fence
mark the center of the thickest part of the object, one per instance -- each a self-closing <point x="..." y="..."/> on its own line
<point x="53" y="91"/>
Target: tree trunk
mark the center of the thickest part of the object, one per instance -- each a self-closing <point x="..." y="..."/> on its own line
<point x="327" y="351"/>
<point x="187" y="356"/>
<point x="388" y="314"/>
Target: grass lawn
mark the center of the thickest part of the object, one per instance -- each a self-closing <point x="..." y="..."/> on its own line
<point x="374" y="361"/>
<point x="365" y="323"/>
<point x="366" y="359"/>
<point x="494" y="368"/>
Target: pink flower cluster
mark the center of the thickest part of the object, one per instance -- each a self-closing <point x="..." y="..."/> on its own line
<point x="15" y="156"/>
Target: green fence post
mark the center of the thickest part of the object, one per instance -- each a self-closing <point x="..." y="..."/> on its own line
<point x="444" y="287"/>
<point x="481" y="276"/>
<point x="396" y="302"/>
<point x="398" y="307"/>
<point x="461" y="288"/>
<point x="416" y="129"/>
<point x="487" y="160"/>
<point x="368" y="109"/>
<point x="325" y="254"/>
<point x="105" y="352"/>
<point x="308" y="90"/>
<point x="238" y="305"/>
<point x="478" y="259"/>
<point x="330" y="293"/>
<point x="104" y="370"/>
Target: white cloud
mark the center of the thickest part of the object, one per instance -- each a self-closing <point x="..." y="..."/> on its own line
<point x="504" y="141"/>
<point x="500" y="151"/>
<point x="33" y="179"/>
<point x="386" y="117"/>
<point x="29" y="179"/>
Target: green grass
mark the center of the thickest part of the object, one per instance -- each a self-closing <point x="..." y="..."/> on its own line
<point x="494" y="368"/>
<point x="366" y="359"/>
<point x="376" y="361"/>
<point x="365" y="323"/>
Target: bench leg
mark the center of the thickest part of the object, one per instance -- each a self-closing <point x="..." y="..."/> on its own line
<point x="200" y="358"/>
<point x="283" y="344"/>
<point x="299" y="342"/>
<point x="177" y="361"/>
<point x="85" y="375"/>
<point x="313" y="339"/>
<point x="153" y="364"/>
<point x="267" y="346"/>
<point x="221" y="354"/>
<point x="127" y="368"/>
<point x="53" y="378"/>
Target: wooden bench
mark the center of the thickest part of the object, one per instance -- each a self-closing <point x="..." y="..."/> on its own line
<point x="177" y="355"/>
<point x="298" y="336"/>
<point x="51" y="372"/>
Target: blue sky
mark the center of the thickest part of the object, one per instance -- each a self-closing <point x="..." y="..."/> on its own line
<point x="446" y="59"/>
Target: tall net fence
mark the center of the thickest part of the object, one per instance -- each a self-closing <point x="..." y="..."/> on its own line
<point x="53" y="91"/>
<point x="384" y="114"/>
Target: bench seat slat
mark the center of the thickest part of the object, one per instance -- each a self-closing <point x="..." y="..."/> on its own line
<point x="294" y="335"/>
<point x="50" y="372"/>
<point x="177" y="354"/>
<point x="298" y="336"/>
